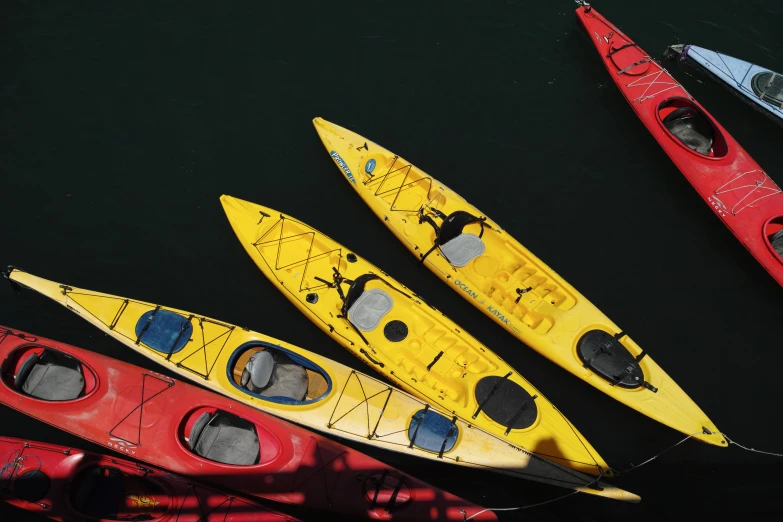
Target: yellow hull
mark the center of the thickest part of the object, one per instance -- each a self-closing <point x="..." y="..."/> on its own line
<point x="436" y="361"/>
<point x="341" y="402"/>
<point x="549" y="315"/>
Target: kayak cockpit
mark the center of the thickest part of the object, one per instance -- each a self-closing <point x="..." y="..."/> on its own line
<point x="431" y="431"/>
<point x="505" y="402"/>
<point x="604" y="354"/>
<point x="768" y="86"/>
<point x="219" y="436"/>
<point x="47" y="374"/>
<point x="386" y="491"/>
<point x="107" y="493"/>
<point x="164" y="331"/>
<point x="278" y="375"/>
<point x="692" y="128"/>
<point x="773" y="233"/>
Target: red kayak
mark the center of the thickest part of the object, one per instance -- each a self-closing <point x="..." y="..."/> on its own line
<point x="727" y="178"/>
<point x="69" y="484"/>
<point x="194" y="432"/>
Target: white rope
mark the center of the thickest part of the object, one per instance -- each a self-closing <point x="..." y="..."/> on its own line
<point x="636" y="83"/>
<point x="751" y="449"/>
<point x="635" y="467"/>
<point x="756" y="185"/>
<point x="632" y="468"/>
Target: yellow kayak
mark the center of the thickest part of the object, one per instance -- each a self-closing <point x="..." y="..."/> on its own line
<point x="503" y="279"/>
<point x="304" y="387"/>
<point x="394" y="331"/>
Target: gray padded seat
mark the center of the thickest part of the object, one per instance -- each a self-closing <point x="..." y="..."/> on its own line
<point x="369" y="308"/>
<point x="225" y="438"/>
<point x="50" y="377"/>
<point x="463" y="249"/>
<point x="274" y="374"/>
<point x="777" y="242"/>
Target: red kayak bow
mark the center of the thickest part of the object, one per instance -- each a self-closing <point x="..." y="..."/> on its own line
<point x="194" y="432"/>
<point x="69" y="484"/>
<point x="735" y="187"/>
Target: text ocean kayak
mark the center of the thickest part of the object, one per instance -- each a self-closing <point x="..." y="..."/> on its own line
<point x="194" y="432"/>
<point x="734" y="186"/>
<point x="757" y="85"/>
<point x="484" y="264"/>
<point x="390" y="328"/>
<point x="73" y="485"/>
<point x="337" y="400"/>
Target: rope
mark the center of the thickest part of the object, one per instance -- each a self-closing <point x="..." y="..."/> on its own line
<point x="632" y="467"/>
<point x="578" y="490"/>
<point x="751" y="449"/>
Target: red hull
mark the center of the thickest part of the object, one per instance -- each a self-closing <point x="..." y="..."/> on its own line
<point x="147" y="416"/>
<point x="153" y="494"/>
<point x="740" y="193"/>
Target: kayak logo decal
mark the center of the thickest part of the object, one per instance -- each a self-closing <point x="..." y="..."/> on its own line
<point x="465" y="288"/>
<point x="143" y="501"/>
<point x="340" y="163"/>
<point x="498" y="314"/>
<point x="121" y="445"/>
<point x="753" y="186"/>
<point x="369" y="166"/>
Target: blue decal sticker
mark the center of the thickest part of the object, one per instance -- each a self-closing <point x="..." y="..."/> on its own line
<point x="370" y="166"/>
<point x="342" y="165"/>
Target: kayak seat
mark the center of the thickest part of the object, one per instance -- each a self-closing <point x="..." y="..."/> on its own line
<point x="769" y="87"/>
<point x="369" y="308"/>
<point x="100" y="493"/>
<point x="463" y="249"/>
<point x="164" y="331"/>
<point x="690" y="127"/>
<point x="275" y="375"/>
<point x="505" y="402"/>
<point x="460" y="248"/>
<point x="605" y="355"/>
<point x="226" y="438"/>
<point x="50" y="376"/>
<point x="777" y="242"/>
<point x="431" y="431"/>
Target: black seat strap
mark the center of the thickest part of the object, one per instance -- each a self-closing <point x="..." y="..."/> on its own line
<point x="448" y="435"/>
<point x="421" y="421"/>
<point x="393" y="498"/>
<point x="378" y="488"/>
<point x="436" y="359"/>
<point x="516" y="416"/>
<point x="147" y="324"/>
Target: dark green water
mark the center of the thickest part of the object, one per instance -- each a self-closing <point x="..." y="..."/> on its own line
<point x="121" y="125"/>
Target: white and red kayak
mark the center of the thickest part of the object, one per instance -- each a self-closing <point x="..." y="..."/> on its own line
<point x="735" y="187"/>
